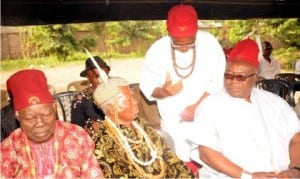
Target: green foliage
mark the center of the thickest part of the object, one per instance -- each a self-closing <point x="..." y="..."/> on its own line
<point x="282" y="33"/>
<point x="29" y="63"/>
<point x="287" y="57"/>
<point x="119" y="36"/>
<point x="234" y="31"/>
<point x="54" y="39"/>
<point x="88" y="42"/>
<point x="123" y="39"/>
<point x="77" y="58"/>
<point x="58" y="40"/>
<point x="97" y="27"/>
<point x="286" y="30"/>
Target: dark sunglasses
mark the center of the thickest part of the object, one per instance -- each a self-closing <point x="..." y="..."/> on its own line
<point x="241" y="78"/>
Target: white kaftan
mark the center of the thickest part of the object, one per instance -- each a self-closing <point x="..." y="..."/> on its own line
<point x="253" y="135"/>
<point x="268" y="70"/>
<point x="206" y="77"/>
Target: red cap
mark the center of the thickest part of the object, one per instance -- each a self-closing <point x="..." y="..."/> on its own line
<point x="245" y="50"/>
<point x="227" y="51"/>
<point x="182" y="21"/>
<point x="28" y="87"/>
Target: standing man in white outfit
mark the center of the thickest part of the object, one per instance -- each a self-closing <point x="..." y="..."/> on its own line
<point x="180" y="70"/>
<point x="268" y="65"/>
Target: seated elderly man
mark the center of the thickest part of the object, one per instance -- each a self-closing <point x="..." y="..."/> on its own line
<point x="245" y="132"/>
<point x="43" y="147"/>
<point x="125" y="145"/>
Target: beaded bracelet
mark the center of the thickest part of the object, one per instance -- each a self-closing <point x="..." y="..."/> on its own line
<point x="296" y="168"/>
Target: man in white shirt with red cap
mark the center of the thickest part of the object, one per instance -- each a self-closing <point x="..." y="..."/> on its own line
<point x="180" y="70"/>
<point x="245" y="132"/>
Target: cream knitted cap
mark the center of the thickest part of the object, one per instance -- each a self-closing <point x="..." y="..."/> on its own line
<point x="105" y="91"/>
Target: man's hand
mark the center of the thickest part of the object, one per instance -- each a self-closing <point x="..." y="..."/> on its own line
<point x="264" y="175"/>
<point x="171" y="89"/>
<point x="290" y="173"/>
<point x="188" y="113"/>
<point x="168" y="89"/>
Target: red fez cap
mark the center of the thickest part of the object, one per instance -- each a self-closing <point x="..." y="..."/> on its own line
<point x="245" y="50"/>
<point x="182" y="21"/>
<point x="28" y="87"/>
<point x="227" y="51"/>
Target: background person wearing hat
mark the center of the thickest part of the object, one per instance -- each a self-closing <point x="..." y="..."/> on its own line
<point x="242" y="131"/>
<point x="268" y="65"/>
<point x="43" y="147"/>
<point x="126" y="145"/>
<point x="180" y="70"/>
<point x="84" y="111"/>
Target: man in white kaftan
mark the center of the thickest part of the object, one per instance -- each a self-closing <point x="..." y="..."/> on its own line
<point x="244" y="132"/>
<point x="204" y="75"/>
<point x="268" y="65"/>
<point x="253" y="135"/>
<point x="268" y="70"/>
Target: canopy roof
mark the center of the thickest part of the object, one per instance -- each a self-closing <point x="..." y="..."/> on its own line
<point x="39" y="12"/>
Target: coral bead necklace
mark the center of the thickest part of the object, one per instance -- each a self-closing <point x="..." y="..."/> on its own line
<point x="33" y="165"/>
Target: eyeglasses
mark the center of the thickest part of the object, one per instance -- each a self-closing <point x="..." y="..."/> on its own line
<point x="240" y="78"/>
<point x="190" y="45"/>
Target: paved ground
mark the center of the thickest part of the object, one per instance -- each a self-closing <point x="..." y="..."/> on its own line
<point x="60" y="77"/>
